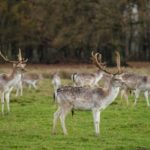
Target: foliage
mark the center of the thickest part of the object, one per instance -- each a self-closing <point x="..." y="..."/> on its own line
<point x="53" y="31"/>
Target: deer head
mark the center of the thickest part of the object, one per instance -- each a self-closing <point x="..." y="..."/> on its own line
<point x="17" y="64"/>
<point x="97" y="60"/>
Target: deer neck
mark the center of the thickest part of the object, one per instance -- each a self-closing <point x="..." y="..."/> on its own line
<point x="13" y="73"/>
<point x="14" y="77"/>
<point x="111" y="96"/>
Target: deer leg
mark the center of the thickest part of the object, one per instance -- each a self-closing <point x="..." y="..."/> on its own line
<point x="17" y="91"/>
<point x="126" y="96"/>
<point x="8" y="100"/>
<point x="2" y="101"/>
<point x="133" y="92"/>
<point x="29" y="86"/>
<point x="63" y="114"/>
<point x="56" y="116"/>
<point x="34" y="85"/>
<point x="146" y="97"/>
<point x="96" y="117"/>
<point x="21" y="89"/>
<point x="123" y="93"/>
<point x="137" y="93"/>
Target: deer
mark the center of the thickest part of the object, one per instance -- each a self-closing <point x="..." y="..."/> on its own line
<point x="87" y="98"/>
<point x="137" y="83"/>
<point x="56" y="81"/>
<point x="92" y="80"/>
<point x="88" y="79"/>
<point x="32" y="80"/>
<point x="29" y="80"/>
<point x="9" y="81"/>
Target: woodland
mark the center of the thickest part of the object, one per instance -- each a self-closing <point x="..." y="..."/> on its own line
<point x="66" y="31"/>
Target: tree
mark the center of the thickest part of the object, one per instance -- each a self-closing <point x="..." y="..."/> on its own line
<point x="53" y="31"/>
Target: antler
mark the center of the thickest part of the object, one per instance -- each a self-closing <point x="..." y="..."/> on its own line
<point x="6" y="59"/>
<point x="97" y="60"/>
<point x="20" y="55"/>
<point x="118" y="62"/>
<point x="20" y="59"/>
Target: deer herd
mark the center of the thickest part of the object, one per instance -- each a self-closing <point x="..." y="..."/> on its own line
<point x="84" y="94"/>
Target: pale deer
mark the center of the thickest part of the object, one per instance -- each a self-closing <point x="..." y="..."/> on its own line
<point x="138" y="83"/>
<point x="8" y="82"/>
<point x="86" y="98"/>
<point x="88" y="79"/>
<point x="56" y="81"/>
<point x="31" y="80"/>
<point x="19" y="88"/>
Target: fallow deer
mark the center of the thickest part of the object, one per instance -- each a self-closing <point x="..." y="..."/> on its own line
<point x="88" y="79"/>
<point x="138" y="83"/>
<point x="86" y="98"/>
<point x="31" y="80"/>
<point x="92" y="80"/>
<point x="8" y="82"/>
<point x="56" y="81"/>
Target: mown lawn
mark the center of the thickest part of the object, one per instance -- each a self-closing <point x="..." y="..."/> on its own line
<point x="29" y="125"/>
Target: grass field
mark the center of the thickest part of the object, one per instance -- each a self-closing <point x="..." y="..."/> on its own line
<point x="28" y="126"/>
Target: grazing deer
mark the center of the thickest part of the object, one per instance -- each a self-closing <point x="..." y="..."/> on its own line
<point x="137" y="83"/>
<point x="86" y="98"/>
<point x="31" y="80"/>
<point x="8" y="82"/>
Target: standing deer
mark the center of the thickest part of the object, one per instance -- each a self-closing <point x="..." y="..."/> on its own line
<point x="138" y="83"/>
<point x="8" y="82"/>
<point x="92" y="79"/>
<point x="56" y="81"/>
<point x="86" y="98"/>
<point x="88" y="79"/>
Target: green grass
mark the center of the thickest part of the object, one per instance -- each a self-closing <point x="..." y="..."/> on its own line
<point x="28" y="126"/>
